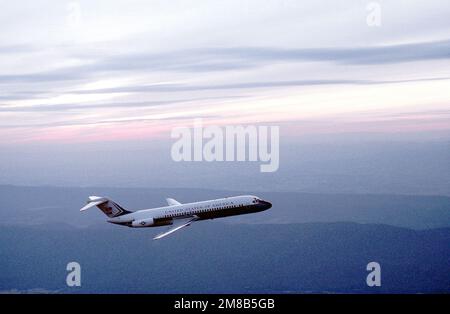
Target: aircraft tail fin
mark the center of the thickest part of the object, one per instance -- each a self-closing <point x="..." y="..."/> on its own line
<point x="107" y="206"/>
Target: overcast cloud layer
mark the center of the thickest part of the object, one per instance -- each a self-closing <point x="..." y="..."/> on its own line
<point x="78" y="70"/>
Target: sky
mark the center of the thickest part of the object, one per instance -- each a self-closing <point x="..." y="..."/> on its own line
<point x="91" y="90"/>
<point x="94" y="71"/>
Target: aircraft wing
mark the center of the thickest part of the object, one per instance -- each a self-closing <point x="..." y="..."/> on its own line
<point x="183" y="223"/>
<point x="171" y="202"/>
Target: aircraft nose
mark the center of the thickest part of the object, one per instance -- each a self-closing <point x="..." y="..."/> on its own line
<point x="266" y="204"/>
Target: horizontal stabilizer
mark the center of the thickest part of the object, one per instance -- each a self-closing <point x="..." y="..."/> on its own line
<point x="93" y="201"/>
<point x="107" y="206"/>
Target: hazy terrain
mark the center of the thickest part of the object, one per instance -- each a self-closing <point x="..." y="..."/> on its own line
<point x="305" y="243"/>
<point x="218" y="257"/>
<point x="42" y="205"/>
<point x="329" y="164"/>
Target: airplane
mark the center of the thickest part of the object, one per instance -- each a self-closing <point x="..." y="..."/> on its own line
<point x="176" y="214"/>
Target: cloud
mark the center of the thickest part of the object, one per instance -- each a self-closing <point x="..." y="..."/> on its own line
<point x="111" y="121"/>
<point x="244" y="85"/>
<point x="238" y="58"/>
<point x="58" y="75"/>
<point x="382" y="54"/>
<point x="84" y="106"/>
<point x="219" y="59"/>
<point x="14" y="49"/>
<point x="443" y="113"/>
<point x="104" y="71"/>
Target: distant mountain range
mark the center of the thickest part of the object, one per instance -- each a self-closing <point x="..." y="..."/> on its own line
<point x="211" y="257"/>
<point x="43" y="205"/>
<point x="306" y="243"/>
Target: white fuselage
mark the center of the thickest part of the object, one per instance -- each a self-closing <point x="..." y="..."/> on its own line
<point x="211" y="209"/>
